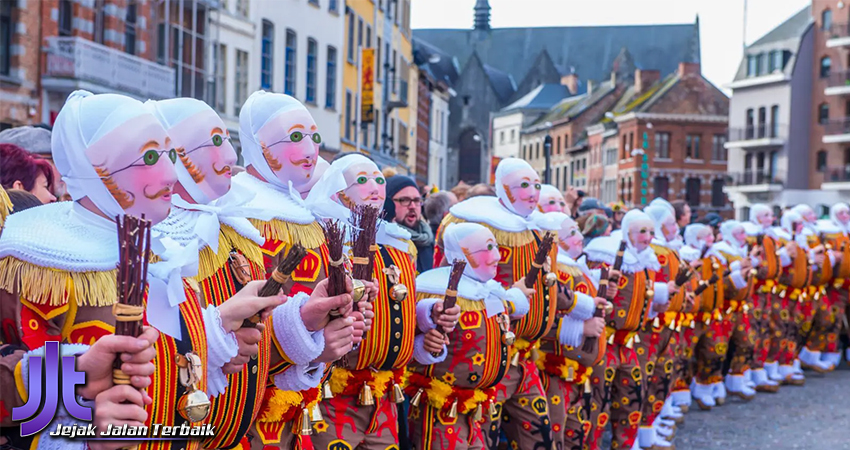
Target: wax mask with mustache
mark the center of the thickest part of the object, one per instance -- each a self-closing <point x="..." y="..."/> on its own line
<point x="551" y="200"/>
<point x="203" y="146"/>
<point x="641" y="232"/>
<point x="840" y="214"/>
<point x="762" y="215"/>
<point x="517" y="186"/>
<point x="706" y="236"/>
<point x="475" y="244"/>
<point x="571" y="239"/>
<point x="806" y="212"/>
<point x="365" y="185"/>
<point x="110" y="149"/>
<point x="321" y="167"/>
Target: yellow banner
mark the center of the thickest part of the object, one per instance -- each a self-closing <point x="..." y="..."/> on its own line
<point x="367" y="85"/>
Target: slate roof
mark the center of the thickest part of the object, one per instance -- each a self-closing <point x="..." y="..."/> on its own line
<point x="503" y="83"/>
<point x="573" y="106"/>
<point x="792" y="28"/>
<point x="786" y="36"/>
<point x="446" y="69"/>
<point x="590" y="51"/>
<point x="542" y="97"/>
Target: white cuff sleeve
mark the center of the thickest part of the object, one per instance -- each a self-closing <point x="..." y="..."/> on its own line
<point x="737" y="279"/>
<point x="735" y="266"/>
<point x="300" y="377"/>
<point x="583" y="308"/>
<point x="300" y="345"/>
<point x="518" y="301"/>
<point x="64" y="350"/>
<point x="570" y="331"/>
<point x="423" y="313"/>
<point x="661" y="297"/>
<point x="784" y="258"/>
<point x="221" y="348"/>
<point x="425" y="357"/>
<point x="831" y="257"/>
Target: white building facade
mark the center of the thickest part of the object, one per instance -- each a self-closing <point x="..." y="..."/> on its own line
<point x="439" y="137"/>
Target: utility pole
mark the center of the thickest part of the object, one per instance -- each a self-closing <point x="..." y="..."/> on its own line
<point x="547" y="153"/>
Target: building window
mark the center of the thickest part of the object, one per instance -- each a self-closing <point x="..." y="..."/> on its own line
<point x="130" y="28"/>
<point x="661" y="187"/>
<point x="752" y="65"/>
<point x="692" y="146"/>
<point x="66" y="13"/>
<point x="823" y="113"/>
<point x="359" y="33"/>
<point x="240" y="93"/>
<point x="333" y="6"/>
<point x="289" y="75"/>
<point x="774" y="121"/>
<point x="718" y="198"/>
<point x="219" y="91"/>
<point x="662" y="145"/>
<point x="777" y="60"/>
<point x="350" y="37"/>
<point x="821" y="161"/>
<point x="242" y="7"/>
<point x="692" y="188"/>
<point x="348" y="107"/>
<point x="513" y="135"/>
<point x="537" y="150"/>
<point x="368" y="36"/>
<point x="6" y="30"/>
<point x="330" y="80"/>
<point x="314" y="2"/>
<point x="826" y="20"/>
<point x="718" y="149"/>
<point x="378" y="60"/>
<point x="825" y="66"/>
<point x="312" y="63"/>
<point x="611" y="156"/>
<point x="99" y="25"/>
<point x="502" y="137"/>
<point x="267" y="50"/>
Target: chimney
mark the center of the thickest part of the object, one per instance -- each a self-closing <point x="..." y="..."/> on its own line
<point x="571" y="82"/>
<point x="688" y="68"/>
<point x="482" y="15"/>
<point x="590" y="85"/>
<point x="644" y="79"/>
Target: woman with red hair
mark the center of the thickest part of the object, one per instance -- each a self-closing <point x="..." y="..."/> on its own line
<point x="22" y="170"/>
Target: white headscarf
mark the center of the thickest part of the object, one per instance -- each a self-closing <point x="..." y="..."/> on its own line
<point x="260" y="108"/>
<point x="605" y="248"/>
<point x="727" y="229"/>
<point x="506" y="166"/>
<point x="170" y="113"/>
<point x="84" y="120"/>
<point x="693" y="245"/>
<point x="452" y="236"/>
<point x="659" y="214"/>
<point x="664" y="203"/>
<point x="786" y="231"/>
<point x="548" y="191"/>
<point x="833" y="216"/>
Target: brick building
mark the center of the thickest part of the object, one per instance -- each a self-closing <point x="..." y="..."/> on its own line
<point x="20" y="20"/>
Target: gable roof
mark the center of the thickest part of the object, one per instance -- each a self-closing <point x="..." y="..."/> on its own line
<point x="444" y="67"/>
<point x="542" y="97"/>
<point x="787" y="36"/>
<point x="572" y="107"/>
<point x="792" y="28"/>
<point x="503" y="83"/>
<point x="590" y="51"/>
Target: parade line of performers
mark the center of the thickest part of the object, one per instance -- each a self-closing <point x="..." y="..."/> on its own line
<point x="630" y="330"/>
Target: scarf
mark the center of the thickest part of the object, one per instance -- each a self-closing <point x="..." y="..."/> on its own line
<point x="421" y="236"/>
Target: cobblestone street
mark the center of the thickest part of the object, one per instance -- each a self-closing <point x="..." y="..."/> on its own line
<point x="813" y="417"/>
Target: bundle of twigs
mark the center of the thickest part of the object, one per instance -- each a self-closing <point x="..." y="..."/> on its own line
<point x="539" y="259"/>
<point x="134" y="241"/>
<point x="335" y="240"/>
<point x="450" y="299"/>
<point x="280" y="276"/>
<point x="590" y="342"/>
<point x="364" y="227"/>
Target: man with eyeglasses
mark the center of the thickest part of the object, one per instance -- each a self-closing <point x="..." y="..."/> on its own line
<point x="404" y="206"/>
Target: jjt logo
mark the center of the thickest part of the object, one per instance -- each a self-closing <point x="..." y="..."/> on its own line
<point x="70" y="378"/>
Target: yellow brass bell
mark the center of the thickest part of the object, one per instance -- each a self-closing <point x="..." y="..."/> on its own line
<point x="492" y="409"/>
<point x="366" y="398"/>
<point x="478" y="415"/>
<point x="358" y="290"/>
<point x="508" y="338"/>
<point x="829" y="246"/>
<point x="452" y="414"/>
<point x="715" y="266"/>
<point x="611" y="340"/>
<point x="535" y="355"/>
<point x="327" y="392"/>
<point x="515" y="359"/>
<point x="417" y="397"/>
<point x="693" y="325"/>
<point x="630" y="343"/>
<point x="399" y="292"/>
<point x="550" y="279"/>
<point x="656" y="323"/>
<point x="637" y="339"/>
<point x="306" y="428"/>
<point x="753" y="272"/>
<point x="650" y="293"/>
<point x="398" y="394"/>
<point x="316" y="414"/>
<point x="194" y="406"/>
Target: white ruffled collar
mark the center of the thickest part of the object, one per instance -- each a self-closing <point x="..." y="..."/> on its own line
<point x="720" y="249"/>
<point x="489" y="210"/>
<point x="269" y="201"/>
<point x="604" y="249"/>
<point x="434" y="282"/>
<point x="675" y="244"/>
<point x="689" y="253"/>
<point x="828" y="226"/>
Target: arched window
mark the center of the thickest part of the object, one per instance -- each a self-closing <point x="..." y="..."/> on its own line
<point x="266" y="52"/>
<point x="821" y="161"/>
<point x="826" y="20"/>
<point x="825" y="66"/>
<point x="823" y="113"/>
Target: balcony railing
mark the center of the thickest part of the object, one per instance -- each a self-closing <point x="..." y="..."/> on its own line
<point x="81" y="59"/>
<point x="838" y="30"/>
<point x="754" y="177"/>
<point x="839" y="79"/>
<point x="841" y="175"/>
<point x="761" y="131"/>
<point x="837" y="126"/>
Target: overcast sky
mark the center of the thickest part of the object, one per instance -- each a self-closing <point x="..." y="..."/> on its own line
<point x="721" y="21"/>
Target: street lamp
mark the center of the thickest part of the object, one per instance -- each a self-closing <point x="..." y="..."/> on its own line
<point x="547" y="153"/>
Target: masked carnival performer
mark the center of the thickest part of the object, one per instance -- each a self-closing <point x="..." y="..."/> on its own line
<point x="367" y="382"/>
<point x="321" y="167"/>
<point x="697" y="239"/>
<point x="453" y="381"/>
<point x="793" y="278"/>
<point x="230" y="258"/>
<point x="509" y="217"/>
<point x="733" y="252"/>
<point x="761" y="237"/>
<point x="654" y="339"/>
<point x="59" y="263"/>
<point x="564" y="362"/>
<point x="280" y="146"/>
<point x="552" y="200"/>
<point x="639" y="298"/>
<point x="831" y="317"/>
